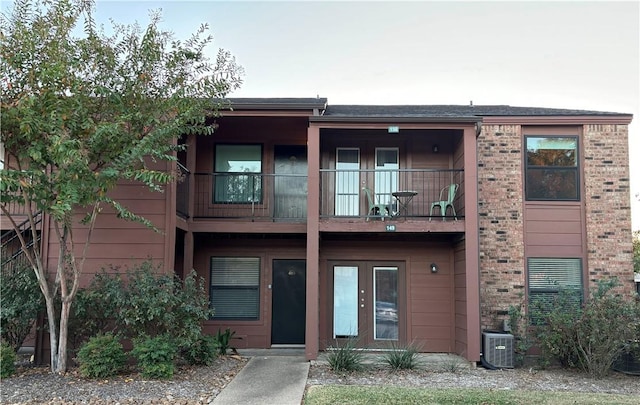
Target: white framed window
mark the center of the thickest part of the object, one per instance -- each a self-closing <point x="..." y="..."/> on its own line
<point x="238" y="174"/>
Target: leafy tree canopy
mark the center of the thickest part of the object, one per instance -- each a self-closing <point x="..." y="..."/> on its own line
<point x="82" y="110"/>
<point x="81" y="113"/>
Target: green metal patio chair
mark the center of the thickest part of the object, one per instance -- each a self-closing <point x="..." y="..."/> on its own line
<point x="375" y="209"/>
<point x="450" y="191"/>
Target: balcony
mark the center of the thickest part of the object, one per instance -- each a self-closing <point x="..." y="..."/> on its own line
<point x="283" y="198"/>
<point x="250" y="196"/>
<point x="404" y="193"/>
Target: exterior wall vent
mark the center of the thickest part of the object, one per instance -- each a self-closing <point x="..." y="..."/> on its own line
<point x="498" y="349"/>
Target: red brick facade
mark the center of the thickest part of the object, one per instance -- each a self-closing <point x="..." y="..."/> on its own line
<point x="500" y="190"/>
<point x="608" y="204"/>
<point x="605" y="205"/>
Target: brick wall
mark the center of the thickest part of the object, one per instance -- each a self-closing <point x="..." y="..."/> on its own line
<point x="500" y="199"/>
<point x="607" y="203"/>
<point x="500" y="191"/>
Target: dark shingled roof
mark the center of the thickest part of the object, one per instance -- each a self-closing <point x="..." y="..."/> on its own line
<point x="415" y="111"/>
<point x="402" y="111"/>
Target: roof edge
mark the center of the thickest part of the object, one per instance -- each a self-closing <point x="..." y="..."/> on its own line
<point x="622" y="119"/>
<point x="335" y="118"/>
<point x="272" y="104"/>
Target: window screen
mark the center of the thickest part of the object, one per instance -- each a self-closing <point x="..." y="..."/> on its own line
<point x="548" y="278"/>
<point x="235" y="287"/>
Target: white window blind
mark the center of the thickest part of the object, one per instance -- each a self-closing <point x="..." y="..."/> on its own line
<point x="554" y="273"/>
<point x="548" y="277"/>
<point x="235" y="287"/>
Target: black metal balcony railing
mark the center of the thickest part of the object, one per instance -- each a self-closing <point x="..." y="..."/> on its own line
<point x="415" y="192"/>
<point x="250" y="195"/>
<point x="284" y="196"/>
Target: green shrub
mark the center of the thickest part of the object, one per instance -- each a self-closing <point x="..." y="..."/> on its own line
<point x="592" y="337"/>
<point x="223" y="341"/>
<point x="155" y="356"/>
<point x="345" y="357"/>
<point x="20" y="302"/>
<point x="401" y="358"/>
<point x="7" y="361"/>
<point x="94" y="310"/>
<point x="102" y="356"/>
<point x="147" y="302"/>
<point x="201" y="352"/>
<point x="520" y="324"/>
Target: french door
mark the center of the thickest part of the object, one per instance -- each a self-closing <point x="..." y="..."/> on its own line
<point x="367" y="301"/>
<point x="386" y="174"/>
<point x="347" y="189"/>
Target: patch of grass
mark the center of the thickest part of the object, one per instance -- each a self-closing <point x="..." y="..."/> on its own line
<point x="349" y="394"/>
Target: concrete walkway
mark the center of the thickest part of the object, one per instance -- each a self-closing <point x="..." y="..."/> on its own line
<point x="279" y="376"/>
<point x="268" y="380"/>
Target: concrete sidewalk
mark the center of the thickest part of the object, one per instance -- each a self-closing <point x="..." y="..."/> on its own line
<point x="279" y="376"/>
<point x="268" y="380"/>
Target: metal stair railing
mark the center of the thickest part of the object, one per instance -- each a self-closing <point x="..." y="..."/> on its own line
<point x="8" y="238"/>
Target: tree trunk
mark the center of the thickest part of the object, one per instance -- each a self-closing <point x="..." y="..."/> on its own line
<point x="53" y="336"/>
<point x="64" y="328"/>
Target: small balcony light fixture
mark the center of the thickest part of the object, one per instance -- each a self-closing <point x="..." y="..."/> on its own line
<point x="434" y="268"/>
<point x="435" y="148"/>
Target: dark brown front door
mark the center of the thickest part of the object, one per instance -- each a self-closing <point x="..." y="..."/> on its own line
<point x="288" y="302"/>
<point x="367" y="302"/>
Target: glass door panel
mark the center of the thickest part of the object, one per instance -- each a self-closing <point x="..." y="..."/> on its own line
<point x="345" y="301"/>
<point x="385" y="298"/>
<point x="386" y="175"/>
<point x="347" y="181"/>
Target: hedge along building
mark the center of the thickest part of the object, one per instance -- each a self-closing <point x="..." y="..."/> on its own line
<point x="314" y="223"/>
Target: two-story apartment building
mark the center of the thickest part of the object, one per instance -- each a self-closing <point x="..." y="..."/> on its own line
<point x="313" y="223"/>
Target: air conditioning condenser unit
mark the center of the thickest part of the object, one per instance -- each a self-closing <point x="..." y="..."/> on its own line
<point x="498" y="349"/>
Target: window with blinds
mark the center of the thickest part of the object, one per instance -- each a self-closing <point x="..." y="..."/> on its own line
<point x="235" y="287"/>
<point x="553" y="281"/>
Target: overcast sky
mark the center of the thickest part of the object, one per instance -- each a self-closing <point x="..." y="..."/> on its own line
<point x="579" y="55"/>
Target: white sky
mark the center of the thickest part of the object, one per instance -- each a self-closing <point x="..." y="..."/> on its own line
<point x="579" y="55"/>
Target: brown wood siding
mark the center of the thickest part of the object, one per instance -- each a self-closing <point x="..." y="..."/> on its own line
<point x="429" y="301"/>
<point x="116" y="242"/>
<point x="460" y="297"/>
<point x="553" y="229"/>
<point x="252" y="334"/>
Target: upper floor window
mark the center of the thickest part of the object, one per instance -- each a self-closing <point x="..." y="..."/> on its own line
<point x="237" y="175"/>
<point x="552" y="168"/>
